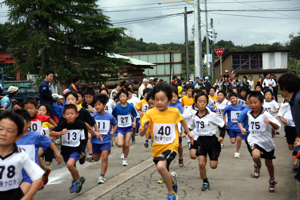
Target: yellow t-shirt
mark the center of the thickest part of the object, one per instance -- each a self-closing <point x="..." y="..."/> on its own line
<point x="214" y="98"/>
<point x="47" y="124"/>
<point x="79" y="106"/>
<point x="187" y="102"/>
<point x="179" y="88"/>
<point x="142" y="105"/>
<point x="162" y="129"/>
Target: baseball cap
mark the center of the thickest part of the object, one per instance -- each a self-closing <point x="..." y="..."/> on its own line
<point x="12" y="89"/>
<point x="200" y="79"/>
<point x="145" y="80"/>
<point x="206" y="77"/>
<point x="151" y="78"/>
<point x="226" y="71"/>
<point x="191" y="80"/>
<point x="131" y="81"/>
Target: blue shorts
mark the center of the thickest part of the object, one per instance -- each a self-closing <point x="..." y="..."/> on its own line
<point x="233" y="133"/>
<point x="98" y="148"/>
<point x="124" y="130"/>
<point x="74" y="155"/>
<point x="180" y="140"/>
<point x="137" y="125"/>
<point x="26" y="179"/>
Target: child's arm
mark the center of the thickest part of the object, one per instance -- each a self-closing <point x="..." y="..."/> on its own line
<point x="140" y="112"/>
<point x="113" y="130"/>
<point x="274" y="125"/>
<point x="224" y="119"/>
<point x="93" y="132"/>
<point x="58" y="155"/>
<point x="146" y="126"/>
<point x="187" y="130"/>
<point x="58" y="133"/>
<point x="52" y="122"/>
<point x="91" y="109"/>
<point x="283" y="120"/>
<point x="274" y="111"/>
<point x="134" y="122"/>
<point x="244" y="131"/>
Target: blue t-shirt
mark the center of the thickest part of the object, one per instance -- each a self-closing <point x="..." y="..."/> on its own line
<point x="8" y="101"/>
<point x="232" y="113"/>
<point x="243" y="118"/>
<point x="104" y="123"/>
<point x="45" y="87"/>
<point x="123" y="112"/>
<point x="178" y="106"/>
<point x="58" y="111"/>
<point x="211" y="109"/>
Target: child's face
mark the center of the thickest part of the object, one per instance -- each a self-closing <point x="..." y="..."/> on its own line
<point x="70" y="115"/>
<point x="117" y="101"/>
<point x="151" y="103"/>
<point x="89" y="98"/>
<point x="104" y="92"/>
<point x="16" y="107"/>
<point x="71" y="100"/>
<point x="145" y="95"/>
<point x="80" y="98"/>
<point x="258" y="89"/>
<point x="29" y="107"/>
<point x="233" y="100"/>
<point x="183" y="94"/>
<point x="161" y="101"/>
<point x="243" y="93"/>
<point x="60" y="101"/>
<point x="129" y="95"/>
<point x="123" y="98"/>
<point x="268" y="96"/>
<point x="26" y="126"/>
<point x="42" y="110"/>
<point x="255" y="104"/>
<point x="189" y="92"/>
<point x="201" y="103"/>
<point x="212" y="92"/>
<point x="8" y="132"/>
<point x="221" y="97"/>
<point x="174" y="98"/>
<point x="99" y="106"/>
<point x="234" y="90"/>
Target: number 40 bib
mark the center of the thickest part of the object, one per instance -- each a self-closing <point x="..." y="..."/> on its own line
<point x="164" y="133"/>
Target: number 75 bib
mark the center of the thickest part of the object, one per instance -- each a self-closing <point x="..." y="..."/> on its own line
<point x="164" y="133"/>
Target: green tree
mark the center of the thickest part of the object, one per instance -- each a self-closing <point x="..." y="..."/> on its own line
<point x="294" y="45"/>
<point x="69" y="37"/>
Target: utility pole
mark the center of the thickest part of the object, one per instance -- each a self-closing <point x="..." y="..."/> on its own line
<point x="197" y="40"/>
<point x="212" y="52"/>
<point x="187" y="65"/>
<point x="207" y="41"/>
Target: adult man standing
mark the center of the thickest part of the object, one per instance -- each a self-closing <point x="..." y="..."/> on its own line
<point x="142" y="87"/>
<point x="45" y="92"/>
<point x="196" y="81"/>
<point x="269" y="82"/>
<point x="207" y="84"/>
<point x="74" y="85"/>
<point x="237" y="83"/>
<point x="251" y="83"/>
<point x="275" y="89"/>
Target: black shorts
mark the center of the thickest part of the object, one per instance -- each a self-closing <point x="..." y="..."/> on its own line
<point x="49" y="155"/>
<point x="263" y="153"/>
<point x="290" y="134"/>
<point x="166" y="155"/>
<point x="208" y="145"/>
<point x="248" y="147"/>
<point x="192" y="146"/>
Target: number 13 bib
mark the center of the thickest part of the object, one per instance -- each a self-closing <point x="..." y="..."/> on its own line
<point x="71" y="138"/>
<point x="164" y="133"/>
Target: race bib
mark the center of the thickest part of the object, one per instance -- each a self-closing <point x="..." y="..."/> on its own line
<point x="186" y="107"/>
<point x="164" y="133"/>
<point x="45" y="132"/>
<point x="103" y="126"/>
<point x="202" y="127"/>
<point x="36" y="126"/>
<point x="145" y="108"/>
<point x="235" y="115"/>
<point x="241" y="102"/>
<point x="220" y="109"/>
<point x="71" y="138"/>
<point x="267" y="109"/>
<point x="108" y="109"/>
<point x="10" y="175"/>
<point x="29" y="149"/>
<point x="256" y="127"/>
<point x="124" y="121"/>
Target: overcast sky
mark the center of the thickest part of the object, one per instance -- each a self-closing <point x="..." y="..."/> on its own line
<point x="264" y="27"/>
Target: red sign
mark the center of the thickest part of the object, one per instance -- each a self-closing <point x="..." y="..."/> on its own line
<point x="219" y="52"/>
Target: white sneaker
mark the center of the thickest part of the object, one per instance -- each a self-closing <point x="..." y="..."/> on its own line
<point x="122" y="156"/>
<point x="101" y="180"/>
<point x="236" y="154"/>
<point x="222" y="145"/>
<point x="124" y="162"/>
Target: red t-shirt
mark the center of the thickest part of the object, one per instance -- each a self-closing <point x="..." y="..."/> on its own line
<point x="36" y="123"/>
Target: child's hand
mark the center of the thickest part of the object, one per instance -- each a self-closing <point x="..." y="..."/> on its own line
<point x="99" y="136"/>
<point x="266" y="121"/>
<point x="133" y="124"/>
<point x="64" y="131"/>
<point x="284" y="121"/>
<point x="90" y="107"/>
<point x="183" y="135"/>
<point x="147" y="124"/>
<point x="271" y="111"/>
<point x="111" y="133"/>
<point x="220" y="139"/>
<point x="191" y="138"/>
<point x="226" y="124"/>
<point x="58" y="159"/>
<point x="244" y="131"/>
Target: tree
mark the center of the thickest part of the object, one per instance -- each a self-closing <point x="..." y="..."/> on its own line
<point x="295" y="46"/>
<point x="69" y="37"/>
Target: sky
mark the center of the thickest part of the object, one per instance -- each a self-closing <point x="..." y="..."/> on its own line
<point x="243" y="27"/>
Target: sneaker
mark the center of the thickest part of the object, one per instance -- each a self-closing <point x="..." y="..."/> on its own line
<point x="272" y="186"/>
<point x="277" y="133"/>
<point x="222" y="145"/>
<point x="146" y="144"/>
<point x="82" y="159"/>
<point x="160" y="181"/>
<point x="133" y="139"/>
<point x="256" y="171"/>
<point x="124" y="162"/>
<point x="122" y="156"/>
<point x="180" y="160"/>
<point x="236" y="154"/>
<point x="101" y="180"/>
<point x="81" y="180"/>
<point x="295" y="167"/>
<point x="172" y="196"/>
<point x="90" y="158"/>
<point x="45" y="176"/>
<point x="205" y="186"/>
<point x="175" y="187"/>
<point x="75" y="186"/>
<point x="41" y="186"/>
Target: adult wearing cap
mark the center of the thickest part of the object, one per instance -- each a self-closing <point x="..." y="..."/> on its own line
<point x="142" y="87"/>
<point x="200" y="83"/>
<point x="207" y="84"/>
<point x="151" y="83"/>
<point x="226" y="73"/>
<point x="6" y="101"/>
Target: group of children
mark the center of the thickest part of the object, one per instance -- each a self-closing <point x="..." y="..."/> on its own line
<point x="92" y="124"/>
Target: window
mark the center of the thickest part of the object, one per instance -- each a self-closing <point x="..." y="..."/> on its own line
<point x="246" y="61"/>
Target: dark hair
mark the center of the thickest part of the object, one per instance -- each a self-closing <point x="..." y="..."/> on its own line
<point x="90" y="91"/>
<point x="256" y="94"/>
<point x="289" y="82"/>
<point x="30" y="100"/>
<point x="197" y="77"/>
<point x="243" y="88"/>
<point x="16" y="103"/>
<point x="223" y="92"/>
<point x="217" y="86"/>
<point x="146" y="90"/>
<point x="116" y="85"/>
<point x="199" y="95"/>
<point x="236" y="75"/>
<point x="84" y="87"/>
<point x="203" y="88"/>
<point x="212" y="88"/>
<point x="174" y="77"/>
<point x="48" y="72"/>
<point x="70" y="106"/>
<point x="268" y="90"/>
<point x="116" y="98"/>
<point x="122" y="91"/>
<point x="80" y="92"/>
<point x="104" y="89"/>
<point x="24" y="114"/>
<point x="163" y="87"/>
<point x="155" y="79"/>
<point x="196" y="91"/>
<point x="75" y="78"/>
<point x="234" y="88"/>
<point x="258" y="86"/>
<point x="233" y="94"/>
<point x="129" y="90"/>
<point x="182" y="91"/>
<point x="16" y="118"/>
<point x="71" y="93"/>
<point x="47" y="108"/>
<point x="149" y="96"/>
<point x="102" y="98"/>
<point x="190" y="87"/>
<point x="175" y="91"/>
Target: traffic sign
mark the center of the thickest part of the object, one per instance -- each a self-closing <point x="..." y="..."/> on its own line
<point x="219" y="52"/>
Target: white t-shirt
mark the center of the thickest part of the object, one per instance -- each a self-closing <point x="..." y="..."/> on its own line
<point x="267" y="83"/>
<point x="286" y="113"/>
<point x="134" y="101"/>
<point x="259" y="132"/>
<point x="220" y="108"/>
<point x="251" y="84"/>
<point x="109" y="106"/>
<point x="187" y="115"/>
<point x="271" y="105"/>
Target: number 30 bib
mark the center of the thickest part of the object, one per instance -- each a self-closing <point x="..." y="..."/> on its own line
<point x="164" y="133"/>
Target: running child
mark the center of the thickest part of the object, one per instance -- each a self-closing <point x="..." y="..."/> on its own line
<point x="260" y="139"/>
<point x="242" y="96"/>
<point x="162" y="122"/>
<point x="205" y="125"/>
<point x="80" y="95"/>
<point x="234" y="89"/>
<point x="188" y="101"/>
<point x="151" y="104"/>
<point x="234" y="132"/>
<point x="89" y="100"/>
<point x="213" y="97"/>
<point x="126" y="117"/>
<point x="58" y="107"/>
<point x="270" y="106"/>
<point x="183" y="94"/>
<point x="110" y="103"/>
<point x="14" y="160"/>
<point x="70" y="131"/>
<point x="107" y="126"/>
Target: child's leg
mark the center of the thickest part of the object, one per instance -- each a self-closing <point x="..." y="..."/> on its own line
<point x="193" y="154"/>
<point x="25" y="186"/>
<point x="270" y="167"/>
<point x="256" y="156"/>
<point x="202" y="164"/>
<point x="232" y="140"/>
<point x="89" y="145"/>
<point x="41" y="159"/>
<point x="213" y="164"/>
<point x="72" y="168"/>
<point x="163" y="171"/>
<point x="238" y="143"/>
<point x="104" y="158"/>
<point x="97" y="157"/>
<point x="126" y="144"/>
<point x="180" y="150"/>
<point x="147" y="135"/>
<point x="120" y="140"/>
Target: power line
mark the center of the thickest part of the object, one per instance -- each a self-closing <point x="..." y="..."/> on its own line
<point x="252" y="16"/>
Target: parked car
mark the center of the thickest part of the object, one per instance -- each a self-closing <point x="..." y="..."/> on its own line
<point x="26" y="89"/>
